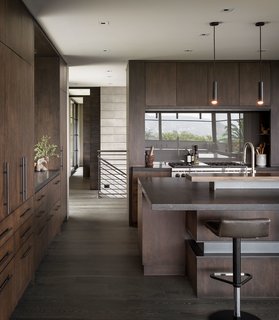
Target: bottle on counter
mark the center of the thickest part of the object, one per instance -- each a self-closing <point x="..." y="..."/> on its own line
<point x="188" y="157"/>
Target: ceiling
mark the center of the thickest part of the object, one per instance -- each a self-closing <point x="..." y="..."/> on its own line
<point x="98" y="37"/>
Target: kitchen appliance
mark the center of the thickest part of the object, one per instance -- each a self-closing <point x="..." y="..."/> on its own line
<point x="179" y="169"/>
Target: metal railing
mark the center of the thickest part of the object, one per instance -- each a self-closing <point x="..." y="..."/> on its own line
<point x="112" y="173"/>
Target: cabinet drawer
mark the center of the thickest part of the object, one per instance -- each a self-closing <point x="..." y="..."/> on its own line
<point x="7" y="299"/>
<point x="6" y="229"/>
<point x="6" y="253"/>
<point x="23" y="233"/>
<point x="24" y="267"/>
<point x="23" y="213"/>
<point x="54" y="191"/>
<point x="41" y="198"/>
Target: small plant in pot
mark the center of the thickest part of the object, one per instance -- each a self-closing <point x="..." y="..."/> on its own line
<point x="44" y="150"/>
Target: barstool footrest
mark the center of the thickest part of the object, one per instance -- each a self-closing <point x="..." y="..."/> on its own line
<point x="219" y="276"/>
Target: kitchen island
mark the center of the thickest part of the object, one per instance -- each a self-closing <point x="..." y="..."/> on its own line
<point x="174" y="240"/>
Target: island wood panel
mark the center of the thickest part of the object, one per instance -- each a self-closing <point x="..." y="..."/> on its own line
<point x="160" y="83"/>
<point x="249" y="77"/>
<point x="227" y="77"/>
<point x="192" y="84"/>
<point x="196" y="223"/>
<point x="262" y="284"/>
<point x="135" y="207"/>
<point x="163" y="248"/>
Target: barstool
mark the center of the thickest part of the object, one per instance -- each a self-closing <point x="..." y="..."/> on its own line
<point x="236" y="229"/>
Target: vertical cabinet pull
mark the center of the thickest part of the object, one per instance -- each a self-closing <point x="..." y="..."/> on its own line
<point x="61" y="157"/>
<point x="7" y="186"/>
<point x="24" y="190"/>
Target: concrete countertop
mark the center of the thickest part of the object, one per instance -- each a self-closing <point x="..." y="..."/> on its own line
<point x="180" y="194"/>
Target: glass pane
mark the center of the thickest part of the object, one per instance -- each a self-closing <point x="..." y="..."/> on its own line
<point x="222" y="132"/>
<point x="186" y="127"/>
<point x="151" y="126"/>
<point x="237" y="134"/>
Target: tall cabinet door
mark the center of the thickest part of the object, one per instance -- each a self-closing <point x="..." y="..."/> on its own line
<point x="28" y="129"/>
<point x="2" y="134"/>
<point x="14" y="112"/>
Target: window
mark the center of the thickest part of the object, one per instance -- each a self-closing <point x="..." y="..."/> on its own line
<point x="217" y="134"/>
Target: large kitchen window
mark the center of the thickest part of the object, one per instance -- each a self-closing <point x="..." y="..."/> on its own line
<point x="217" y="134"/>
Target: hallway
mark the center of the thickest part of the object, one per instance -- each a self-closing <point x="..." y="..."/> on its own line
<point x="92" y="270"/>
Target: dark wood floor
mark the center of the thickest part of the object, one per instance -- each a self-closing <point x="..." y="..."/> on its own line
<point x="92" y="271"/>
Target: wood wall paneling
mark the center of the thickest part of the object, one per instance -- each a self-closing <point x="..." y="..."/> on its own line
<point x="95" y="139"/>
<point x="227" y="76"/>
<point x="47" y="102"/>
<point x="249" y="78"/>
<point x="136" y="118"/>
<point x="274" y="121"/>
<point x="160" y="83"/>
<point x="192" y="84"/>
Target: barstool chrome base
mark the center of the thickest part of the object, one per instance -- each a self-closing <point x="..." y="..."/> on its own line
<point x="229" y="315"/>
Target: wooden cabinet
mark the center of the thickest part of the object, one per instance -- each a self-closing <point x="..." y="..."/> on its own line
<point x="19" y="30"/>
<point x="249" y="78"/>
<point x="160" y="83"/>
<point x="192" y="84"/>
<point x="3" y="181"/>
<point x="227" y="77"/>
<point x="7" y="297"/>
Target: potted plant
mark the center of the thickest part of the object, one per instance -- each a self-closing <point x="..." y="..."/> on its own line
<point x="43" y="151"/>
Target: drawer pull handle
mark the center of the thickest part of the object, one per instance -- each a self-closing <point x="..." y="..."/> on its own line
<point x="24" y="213"/>
<point x="4" y="233"/>
<point x="5" y="258"/>
<point x="41" y="230"/>
<point x="57" y="182"/>
<point x="41" y="197"/>
<point x="25" y="232"/>
<point x="26" y="252"/>
<point x="40" y="214"/>
<point x="50" y="217"/>
<point x="6" y="281"/>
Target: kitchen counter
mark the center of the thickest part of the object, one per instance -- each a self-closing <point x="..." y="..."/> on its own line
<point x="181" y="194"/>
<point x="173" y="237"/>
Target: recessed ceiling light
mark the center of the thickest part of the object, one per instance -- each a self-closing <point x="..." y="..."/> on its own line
<point x="227" y="10"/>
<point x="104" y="23"/>
<point x="188" y="50"/>
<point x="204" y="34"/>
<point x="109" y="71"/>
<point x="106" y="50"/>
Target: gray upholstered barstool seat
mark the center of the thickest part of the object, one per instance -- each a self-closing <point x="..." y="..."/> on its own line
<point x="236" y="229"/>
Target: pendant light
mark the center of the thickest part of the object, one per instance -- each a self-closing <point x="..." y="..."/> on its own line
<point x="260" y="101"/>
<point x="214" y="99"/>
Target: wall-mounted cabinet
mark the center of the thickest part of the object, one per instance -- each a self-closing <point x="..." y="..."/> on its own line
<point x="227" y="77"/>
<point x="248" y="82"/>
<point x="192" y="87"/>
<point x="160" y="83"/>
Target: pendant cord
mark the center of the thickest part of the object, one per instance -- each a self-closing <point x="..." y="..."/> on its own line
<point x="214" y="54"/>
<point x="260" y="53"/>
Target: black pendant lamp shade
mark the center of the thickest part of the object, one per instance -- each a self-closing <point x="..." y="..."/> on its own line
<point x="260" y="84"/>
<point x="214" y="99"/>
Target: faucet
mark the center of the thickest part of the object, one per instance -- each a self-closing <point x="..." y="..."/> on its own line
<point x="246" y="145"/>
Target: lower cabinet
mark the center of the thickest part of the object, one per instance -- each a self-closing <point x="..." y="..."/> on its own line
<point x="7" y="296"/>
<point x="24" y="267"/>
<point x="24" y="237"/>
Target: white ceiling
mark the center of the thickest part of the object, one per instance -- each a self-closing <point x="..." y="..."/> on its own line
<point x="152" y="30"/>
